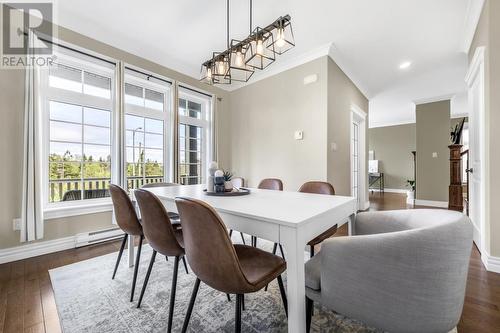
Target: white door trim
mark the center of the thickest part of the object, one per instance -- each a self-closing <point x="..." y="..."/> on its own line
<point x="360" y="116"/>
<point x="476" y="72"/>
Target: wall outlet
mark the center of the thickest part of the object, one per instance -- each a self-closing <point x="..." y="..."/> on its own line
<point x="434" y="155"/>
<point x="298" y="135"/>
<point x="16" y="224"/>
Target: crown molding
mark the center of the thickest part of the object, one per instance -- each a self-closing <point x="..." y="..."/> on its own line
<point x="434" y="99"/>
<point x="392" y="123"/>
<point x="473" y="14"/>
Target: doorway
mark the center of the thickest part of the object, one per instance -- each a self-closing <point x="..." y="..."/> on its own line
<point x="358" y="158"/>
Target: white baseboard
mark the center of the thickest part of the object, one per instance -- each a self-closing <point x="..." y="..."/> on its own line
<point x="390" y="190"/>
<point x="36" y="249"/>
<point x="491" y="263"/>
<point x="431" y="203"/>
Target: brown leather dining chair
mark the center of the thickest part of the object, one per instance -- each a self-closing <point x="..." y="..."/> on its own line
<point x="127" y="220"/>
<point x="232" y="269"/>
<point x="174" y="217"/>
<point x="162" y="238"/>
<point x="317" y="187"/>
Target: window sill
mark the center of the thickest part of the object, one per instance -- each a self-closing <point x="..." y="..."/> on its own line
<point x="51" y="213"/>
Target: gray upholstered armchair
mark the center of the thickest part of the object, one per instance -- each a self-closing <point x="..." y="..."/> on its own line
<point x="403" y="271"/>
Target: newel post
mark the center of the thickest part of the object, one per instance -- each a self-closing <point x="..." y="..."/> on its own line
<point x="456" y="199"/>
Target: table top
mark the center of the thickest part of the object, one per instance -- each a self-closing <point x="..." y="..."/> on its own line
<point x="282" y="207"/>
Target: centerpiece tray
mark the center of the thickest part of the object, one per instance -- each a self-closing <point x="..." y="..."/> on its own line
<point x="234" y="193"/>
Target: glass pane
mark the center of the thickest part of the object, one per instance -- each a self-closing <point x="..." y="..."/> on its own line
<point x="97" y="153"/>
<point x="65" y="151"/>
<point x="153" y="155"/>
<point x="97" y="117"/>
<point x="135" y="140"/>
<point x="99" y="135"/>
<point x="194" y="110"/>
<point x="182" y="107"/>
<point x="97" y="170"/>
<point x="154" y="100"/>
<point x="134" y="122"/>
<point x="154" y="126"/>
<point x="67" y="132"/>
<point x="134" y="94"/>
<point x="65" y="77"/>
<point x="65" y="112"/>
<point x="154" y="141"/>
<point x="134" y="170"/>
<point x="96" y="85"/>
<point x="153" y="169"/>
<point x="135" y="155"/>
<point x="64" y="170"/>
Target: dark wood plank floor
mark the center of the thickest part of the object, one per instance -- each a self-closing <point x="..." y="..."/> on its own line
<point x="27" y="299"/>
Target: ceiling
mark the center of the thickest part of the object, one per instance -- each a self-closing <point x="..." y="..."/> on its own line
<point x="371" y="37"/>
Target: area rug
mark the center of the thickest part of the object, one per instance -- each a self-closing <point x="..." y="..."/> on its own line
<point x="89" y="301"/>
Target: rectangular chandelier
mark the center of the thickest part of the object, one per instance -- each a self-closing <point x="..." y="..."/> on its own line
<point x="257" y="51"/>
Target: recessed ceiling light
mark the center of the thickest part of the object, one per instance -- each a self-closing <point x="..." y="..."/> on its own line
<point x="405" y="65"/>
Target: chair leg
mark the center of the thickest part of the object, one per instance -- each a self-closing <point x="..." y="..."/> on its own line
<point x="309" y="312"/>
<point x="243" y="302"/>
<point x="237" y="315"/>
<point x="185" y="265"/>
<point x="172" y="294"/>
<point x="146" y="279"/>
<point x="230" y="232"/>
<point x="282" y="252"/>
<point x="191" y="305"/>
<point x="275" y="248"/>
<point x="243" y="238"/>
<point x="136" y="268"/>
<point x="312" y="250"/>
<point x="120" y="255"/>
<point x="228" y="298"/>
<point x="283" y="295"/>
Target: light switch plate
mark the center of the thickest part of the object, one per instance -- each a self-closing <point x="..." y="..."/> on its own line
<point x="434" y="155"/>
<point x="299" y="135"/>
<point x="16" y="224"/>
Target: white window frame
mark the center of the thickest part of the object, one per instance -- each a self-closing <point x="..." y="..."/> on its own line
<point x="145" y="112"/>
<point x="205" y="123"/>
<point x="47" y="93"/>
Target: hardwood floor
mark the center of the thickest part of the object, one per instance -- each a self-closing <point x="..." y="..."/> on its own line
<point x="27" y="299"/>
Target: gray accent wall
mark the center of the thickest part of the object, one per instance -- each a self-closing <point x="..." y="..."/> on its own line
<point x="392" y="146"/>
<point x="433" y="136"/>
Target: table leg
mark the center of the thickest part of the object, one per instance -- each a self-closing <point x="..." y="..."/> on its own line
<point x="295" y="279"/>
<point x="350" y="224"/>
<point x="130" y="251"/>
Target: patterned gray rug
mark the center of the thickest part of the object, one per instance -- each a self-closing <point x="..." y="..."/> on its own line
<point x="89" y="301"/>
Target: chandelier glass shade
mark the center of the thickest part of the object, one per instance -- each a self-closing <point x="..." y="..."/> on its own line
<point x="241" y="58"/>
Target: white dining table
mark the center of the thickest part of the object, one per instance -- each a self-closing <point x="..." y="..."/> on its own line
<point x="288" y="218"/>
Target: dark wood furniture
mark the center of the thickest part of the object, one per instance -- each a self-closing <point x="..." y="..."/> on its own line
<point x="455" y="191"/>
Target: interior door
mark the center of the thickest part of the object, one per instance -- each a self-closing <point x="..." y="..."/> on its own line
<point x="476" y="131"/>
<point x="355" y="182"/>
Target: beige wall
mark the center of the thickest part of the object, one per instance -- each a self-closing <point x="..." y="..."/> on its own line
<point x="393" y="146"/>
<point x="342" y="95"/>
<point x="264" y="117"/>
<point x="433" y="135"/>
<point x="488" y="35"/>
<point x="11" y="144"/>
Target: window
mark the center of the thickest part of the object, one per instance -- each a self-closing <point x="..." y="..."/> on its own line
<point x="77" y="109"/>
<point x="147" y="106"/>
<point x="194" y="136"/>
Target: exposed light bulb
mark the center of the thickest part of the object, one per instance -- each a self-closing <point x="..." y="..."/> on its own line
<point x="239" y="59"/>
<point x="280" y="37"/>
<point x="260" y="47"/>
<point x="221" y="67"/>
<point x="209" y="73"/>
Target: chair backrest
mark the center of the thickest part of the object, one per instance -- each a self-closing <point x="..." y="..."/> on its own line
<point x="156" y="224"/>
<point x="153" y="185"/>
<point x="125" y="213"/>
<point x="271" y="184"/>
<point x="209" y="249"/>
<point x="317" y="188"/>
<point x="238" y="181"/>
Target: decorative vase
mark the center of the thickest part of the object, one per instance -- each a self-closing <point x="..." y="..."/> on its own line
<point x="228" y="185"/>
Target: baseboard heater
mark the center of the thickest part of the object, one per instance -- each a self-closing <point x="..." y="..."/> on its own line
<point x="93" y="237"/>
